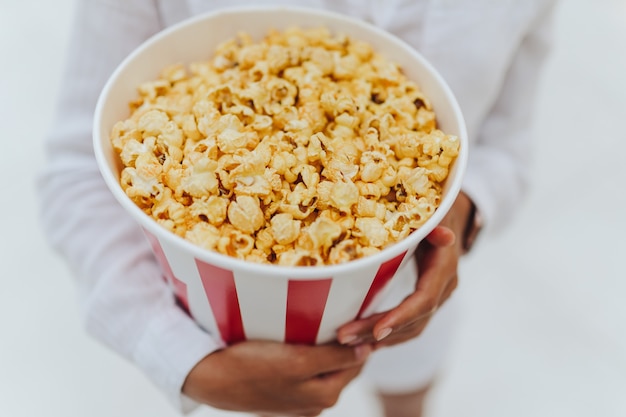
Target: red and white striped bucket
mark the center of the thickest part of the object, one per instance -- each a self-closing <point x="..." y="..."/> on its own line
<point x="240" y="304"/>
<point x="239" y="300"/>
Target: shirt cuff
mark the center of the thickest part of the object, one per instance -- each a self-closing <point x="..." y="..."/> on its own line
<point x="496" y="186"/>
<point x="169" y="349"/>
<point x="480" y="196"/>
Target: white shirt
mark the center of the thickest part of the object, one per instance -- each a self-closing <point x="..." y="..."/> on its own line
<point x="489" y="51"/>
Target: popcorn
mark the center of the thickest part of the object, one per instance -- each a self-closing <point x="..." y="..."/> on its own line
<point x="284" y="228"/>
<point x="245" y="214"/>
<point x="303" y="149"/>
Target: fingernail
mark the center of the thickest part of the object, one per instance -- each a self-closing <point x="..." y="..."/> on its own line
<point x="383" y="333"/>
<point x="356" y="341"/>
<point x="348" y="339"/>
<point x="362" y="352"/>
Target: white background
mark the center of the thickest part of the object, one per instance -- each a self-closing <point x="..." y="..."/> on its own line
<point x="544" y="329"/>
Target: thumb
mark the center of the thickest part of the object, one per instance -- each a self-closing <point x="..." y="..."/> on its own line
<point x="441" y="236"/>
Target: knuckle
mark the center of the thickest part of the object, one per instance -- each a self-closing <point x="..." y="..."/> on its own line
<point x="454" y="283"/>
<point x="329" y="401"/>
<point x="430" y="306"/>
<point x="298" y="366"/>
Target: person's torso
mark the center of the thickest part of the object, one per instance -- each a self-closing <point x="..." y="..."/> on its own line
<point x="471" y="43"/>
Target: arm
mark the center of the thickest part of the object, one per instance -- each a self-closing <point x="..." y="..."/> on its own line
<point x="495" y="182"/>
<point x="124" y="301"/>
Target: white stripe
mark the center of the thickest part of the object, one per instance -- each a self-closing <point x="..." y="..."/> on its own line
<point x="184" y="268"/>
<point x="347" y="293"/>
<point x="382" y="294"/>
<point x="408" y="257"/>
<point x="263" y="305"/>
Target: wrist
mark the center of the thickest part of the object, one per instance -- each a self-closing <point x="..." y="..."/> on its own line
<point x="473" y="226"/>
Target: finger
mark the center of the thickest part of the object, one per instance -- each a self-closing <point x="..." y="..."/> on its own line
<point x="436" y="268"/>
<point x="450" y="288"/>
<point x="331" y="358"/>
<point x="358" y="331"/>
<point x="330" y="385"/>
<point x="413" y="309"/>
<point x="323" y="391"/>
<point x="414" y="328"/>
<point x="425" y="300"/>
<point x="404" y="334"/>
<point x="441" y="236"/>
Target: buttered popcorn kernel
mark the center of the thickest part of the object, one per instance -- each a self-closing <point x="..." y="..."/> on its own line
<point x="305" y="149"/>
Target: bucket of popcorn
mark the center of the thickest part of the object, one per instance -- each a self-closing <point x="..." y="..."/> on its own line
<point x="283" y="162"/>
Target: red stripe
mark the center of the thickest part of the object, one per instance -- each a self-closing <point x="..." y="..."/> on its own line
<point x="386" y="271"/>
<point x="306" y="301"/>
<point x="219" y="286"/>
<point x="178" y="286"/>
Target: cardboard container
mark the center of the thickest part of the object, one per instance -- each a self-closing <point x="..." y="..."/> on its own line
<point x="239" y="300"/>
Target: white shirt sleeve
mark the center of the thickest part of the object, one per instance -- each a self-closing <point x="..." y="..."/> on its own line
<point x="497" y="174"/>
<point x="491" y="54"/>
<point x="125" y="302"/>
